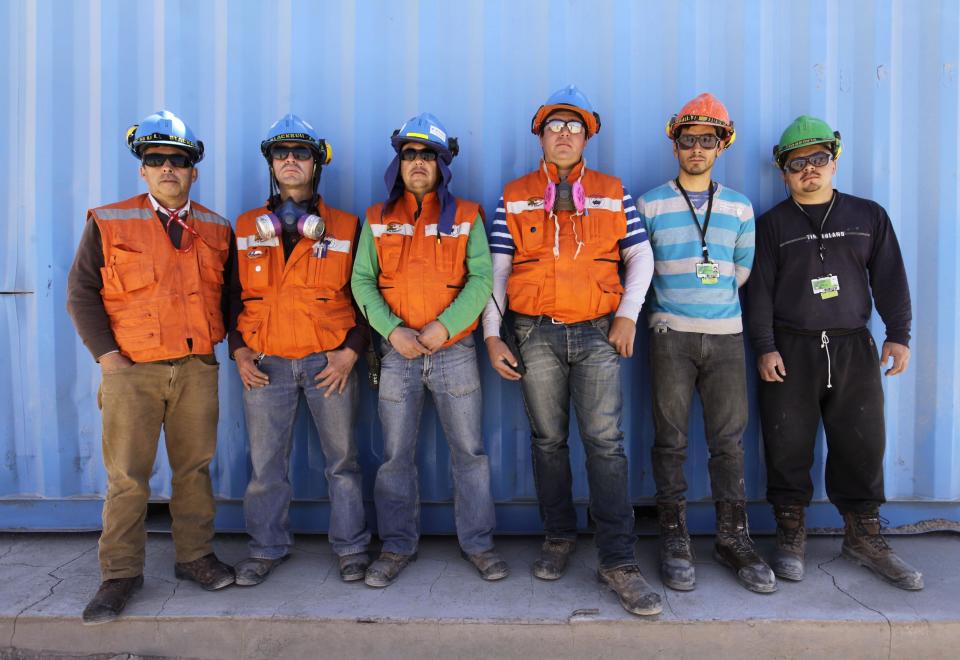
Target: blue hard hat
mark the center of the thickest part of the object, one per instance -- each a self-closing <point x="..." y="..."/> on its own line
<point x="426" y="129"/>
<point x="163" y="128"/>
<point x="290" y="128"/>
<point x="569" y="98"/>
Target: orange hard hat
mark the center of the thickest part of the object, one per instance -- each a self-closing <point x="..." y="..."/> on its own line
<point x="706" y="109"/>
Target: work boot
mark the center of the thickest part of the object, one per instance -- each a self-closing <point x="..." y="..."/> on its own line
<point x="254" y="570"/>
<point x="386" y="569"/>
<point x="554" y="555"/>
<point x="489" y="564"/>
<point x="110" y="599"/>
<point x="676" y="553"/>
<point x="863" y="544"/>
<point x="208" y="571"/>
<point x="353" y="567"/>
<point x="791" y="541"/>
<point x="734" y="549"/>
<point x="636" y="595"/>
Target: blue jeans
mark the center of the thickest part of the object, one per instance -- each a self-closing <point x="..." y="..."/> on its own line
<point x="452" y="378"/>
<point x="716" y="367"/>
<point x="576" y="362"/>
<point x="270" y="413"/>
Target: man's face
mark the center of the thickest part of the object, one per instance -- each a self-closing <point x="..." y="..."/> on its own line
<point x="564" y="149"/>
<point x="419" y="176"/>
<point x="697" y="159"/>
<point x="810" y="179"/>
<point x="288" y="170"/>
<point x="169" y="185"/>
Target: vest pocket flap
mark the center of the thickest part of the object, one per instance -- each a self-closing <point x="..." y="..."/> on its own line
<point x="532" y="229"/>
<point x="523" y="296"/>
<point x="133" y="275"/>
<point x="211" y="265"/>
<point x="611" y="287"/>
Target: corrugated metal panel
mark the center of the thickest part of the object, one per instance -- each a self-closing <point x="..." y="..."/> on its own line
<point x="78" y="73"/>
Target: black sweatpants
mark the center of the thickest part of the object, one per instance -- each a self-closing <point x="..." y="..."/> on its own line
<point x="852" y="413"/>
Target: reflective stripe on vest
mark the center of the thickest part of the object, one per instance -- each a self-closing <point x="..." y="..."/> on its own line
<point x="301" y="305"/>
<point x="421" y="273"/>
<point x="569" y="287"/>
<point x="156" y="297"/>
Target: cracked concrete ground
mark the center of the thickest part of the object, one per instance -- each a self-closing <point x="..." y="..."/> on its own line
<point x="440" y="608"/>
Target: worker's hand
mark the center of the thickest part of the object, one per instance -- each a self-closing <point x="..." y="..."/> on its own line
<point x="433" y="336"/>
<point x="115" y="361"/>
<point x="622" y="333"/>
<point x="336" y="374"/>
<point x="770" y="366"/>
<point x="404" y="340"/>
<point x="900" y="355"/>
<point x="250" y="374"/>
<point x="501" y="358"/>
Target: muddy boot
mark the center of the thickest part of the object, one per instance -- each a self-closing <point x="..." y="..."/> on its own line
<point x="791" y="541"/>
<point x="734" y="549"/>
<point x="676" y="553"/>
<point x="635" y="593"/>
<point x="863" y="544"/>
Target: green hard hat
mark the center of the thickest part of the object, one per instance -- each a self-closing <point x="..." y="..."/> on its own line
<point x="804" y="131"/>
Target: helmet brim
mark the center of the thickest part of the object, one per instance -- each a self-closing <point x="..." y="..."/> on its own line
<point x="540" y="119"/>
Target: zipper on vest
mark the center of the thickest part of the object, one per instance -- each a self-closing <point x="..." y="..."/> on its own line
<point x="609" y="261"/>
<point x="249" y="299"/>
<point x="454" y="286"/>
<point x="528" y="261"/>
<point x="324" y="299"/>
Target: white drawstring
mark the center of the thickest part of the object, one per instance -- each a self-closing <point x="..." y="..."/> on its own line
<point x="824" y="343"/>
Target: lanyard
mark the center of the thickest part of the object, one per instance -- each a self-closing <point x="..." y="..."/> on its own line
<point x="696" y="221"/>
<point x="816" y="231"/>
<point x="174" y="215"/>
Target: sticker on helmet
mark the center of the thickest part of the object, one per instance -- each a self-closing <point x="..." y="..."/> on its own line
<point x="439" y="133"/>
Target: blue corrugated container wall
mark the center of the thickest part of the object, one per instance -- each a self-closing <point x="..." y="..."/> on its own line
<point x="77" y="74"/>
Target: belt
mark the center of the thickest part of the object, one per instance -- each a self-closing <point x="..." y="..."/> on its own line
<point x="537" y="320"/>
<point x="207" y="358"/>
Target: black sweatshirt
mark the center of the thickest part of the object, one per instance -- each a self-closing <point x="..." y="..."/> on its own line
<point x="859" y="247"/>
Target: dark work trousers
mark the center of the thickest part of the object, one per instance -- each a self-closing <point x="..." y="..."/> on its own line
<point x="715" y="366"/>
<point x="852" y="413"/>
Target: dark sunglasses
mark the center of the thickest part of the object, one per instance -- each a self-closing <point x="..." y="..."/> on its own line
<point x="818" y="159"/>
<point x="424" y="154"/>
<point x="157" y="160"/>
<point x="556" y="125"/>
<point x="299" y="153"/>
<point x="707" y="141"/>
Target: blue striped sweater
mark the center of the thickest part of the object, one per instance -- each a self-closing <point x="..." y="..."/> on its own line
<point x="678" y="298"/>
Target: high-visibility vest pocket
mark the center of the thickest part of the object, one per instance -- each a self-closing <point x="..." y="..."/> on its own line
<point x="127" y="271"/>
<point x="258" y="273"/>
<point x="390" y="249"/>
<point x="532" y="229"/>
<point x="523" y="296"/>
<point x="137" y="327"/>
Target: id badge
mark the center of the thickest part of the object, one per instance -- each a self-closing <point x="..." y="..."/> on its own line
<point x="826" y="287"/>
<point x="708" y="272"/>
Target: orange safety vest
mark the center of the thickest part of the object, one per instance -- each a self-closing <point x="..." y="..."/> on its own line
<point x="422" y="270"/>
<point x="567" y="286"/>
<point x="301" y="305"/>
<point x="156" y="296"/>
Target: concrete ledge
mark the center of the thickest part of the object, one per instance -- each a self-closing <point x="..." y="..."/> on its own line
<point x="439" y="608"/>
